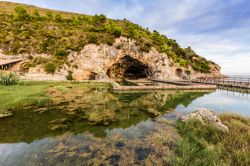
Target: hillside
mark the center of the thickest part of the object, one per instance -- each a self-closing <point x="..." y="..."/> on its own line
<point x="32" y="30"/>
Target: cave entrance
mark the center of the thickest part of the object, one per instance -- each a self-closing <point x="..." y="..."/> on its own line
<point x="179" y="73"/>
<point x="128" y="67"/>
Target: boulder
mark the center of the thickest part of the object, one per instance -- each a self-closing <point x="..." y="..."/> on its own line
<point x="204" y="116"/>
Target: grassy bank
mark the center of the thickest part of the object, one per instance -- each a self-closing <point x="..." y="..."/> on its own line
<point x="31" y="94"/>
<point x="22" y="95"/>
<point x="203" y="144"/>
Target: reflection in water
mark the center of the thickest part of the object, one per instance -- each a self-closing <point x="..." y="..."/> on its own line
<point x="93" y="126"/>
<point x="89" y="126"/>
<point x="93" y="111"/>
<point x="239" y="91"/>
<point x="85" y="149"/>
<point x="221" y="101"/>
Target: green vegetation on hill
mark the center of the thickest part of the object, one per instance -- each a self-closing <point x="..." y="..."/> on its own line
<point x="28" y="29"/>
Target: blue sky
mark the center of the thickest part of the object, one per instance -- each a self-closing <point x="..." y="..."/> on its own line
<point x="216" y="29"/>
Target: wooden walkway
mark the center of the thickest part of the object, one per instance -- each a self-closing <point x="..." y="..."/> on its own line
<point x="174" y="82"/>
<point x="118" y="87"/>
<point x="170" y="87"/>
<point x="6" y="64"/>
<point x="234" y="82"/>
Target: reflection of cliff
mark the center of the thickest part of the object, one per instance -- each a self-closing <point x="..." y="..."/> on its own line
<point x="89" y="110"/>
<point x="184" y="98"/>
<point x="162" y="101"/>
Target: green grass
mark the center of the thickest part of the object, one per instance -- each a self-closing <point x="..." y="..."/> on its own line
<point x="203" y="144"/>
<point x="22" y="95"/>
<point x="28" y="29"/>
<point x="35" y="93"/>
<point x="8" y="79"/>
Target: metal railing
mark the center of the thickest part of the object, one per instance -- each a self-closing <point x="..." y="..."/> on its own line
<point x="239" y="82"/>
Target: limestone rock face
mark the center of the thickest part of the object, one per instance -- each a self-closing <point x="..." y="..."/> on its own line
<point x="105" y="62"/>
<point x="101" y="58"/>
<point x="205" y="115"/>
<point x="122" y="59"/>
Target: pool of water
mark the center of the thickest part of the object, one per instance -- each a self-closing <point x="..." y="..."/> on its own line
<point x="220" y="101"/>
<point x="103" y="127"/>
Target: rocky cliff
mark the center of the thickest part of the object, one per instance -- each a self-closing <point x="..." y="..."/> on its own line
<point x="102" y="62"/>
<point x="58" y="45"/>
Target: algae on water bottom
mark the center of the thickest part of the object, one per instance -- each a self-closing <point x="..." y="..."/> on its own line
<point x="85" y="107"/>
<point x="87" y="123"/>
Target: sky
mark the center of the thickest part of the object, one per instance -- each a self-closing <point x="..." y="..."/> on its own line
<point x="218" y="30"/>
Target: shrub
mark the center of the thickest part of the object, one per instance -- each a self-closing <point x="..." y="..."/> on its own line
<point x="44" y="102"/>
<point x="49" y="15"/>
<point x="75" y="21"/>
<point x="132" y="33"/>
<point x="99" y="20"/>
<point x="50" y="68"/>
<point x="145" y="47"/>
<point x="58" y="17"/>
<point x="117" y="32"/>
<point x="183" y="63"/>
<point x="69" y="76"/>
<point x="110" y="41"/>
<point x="8" y="79"/>
<point x="21" y="13"/>
<point x="39" y="60"/>
<point x="92" y="38"/>
<point x="61" y="53"/>
<point x="36" y="14"/>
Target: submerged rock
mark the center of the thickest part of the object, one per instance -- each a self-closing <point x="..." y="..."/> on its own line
<point x="141" y="153"/>
<point x="58" y="127"/>
<point x="119" y="144"/>
<point x="205" y="115"/>
<point x="114" y="159"/>
<point x="5" y="114"/>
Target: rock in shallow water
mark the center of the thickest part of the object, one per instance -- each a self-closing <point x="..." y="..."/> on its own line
<point x="5" y="114"/>
<point x="205" y="115"/>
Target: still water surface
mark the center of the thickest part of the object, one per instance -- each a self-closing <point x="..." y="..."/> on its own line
<point x="84" y="137"/>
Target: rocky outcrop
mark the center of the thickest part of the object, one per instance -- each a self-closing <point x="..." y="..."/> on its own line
<point x="101" y="59"/>
<point x="205" y="116"/>
<point x="122" y="59"/>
